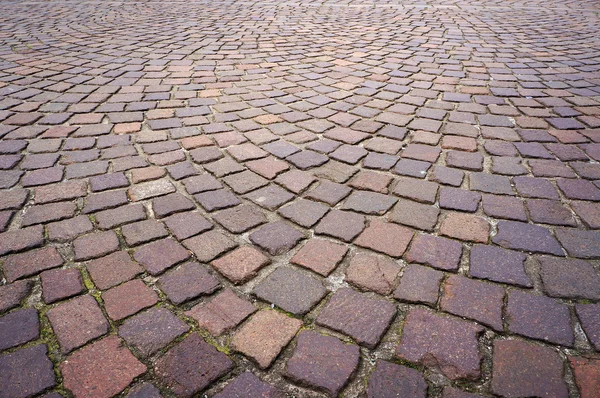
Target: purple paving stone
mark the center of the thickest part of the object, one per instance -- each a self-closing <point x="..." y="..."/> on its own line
<point x="589" y="315"/>
<point x="569" y="278"/>
<point x="186" y="282"/>
<point x="391" y="380"/>
<point x="19" y="327"/>
<point x="498" y="265"/>
<point x="191" y="366"/>
<point x="277" y="237"/>
<point x="522" y="236"/>
<point x="363" y="318"/>
<point x="26" y="372"/>
<point x="578" y="243"/>
<point x="248" y="385"/>
<point x="322" y="362"/>
<point x="539" y="317"/>
<point x="448" y="344"/>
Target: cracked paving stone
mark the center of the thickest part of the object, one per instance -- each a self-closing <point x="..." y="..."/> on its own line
<point x="304" y="212"/>
<point x="290" y="290"/>
<point x="26" y="372"/>
<point x="322" y="362"/>
<point x="441" y="342"/>
<point x="390" y="379"/>
<point x="191" y="366"/>
<point x="524" y="369"/>
<point x="100" y="370"/>
<point x="435" y="251"/>
<point x="187" y="282"/>
<point x="276" y="237"/>
<point x="222" y="313"/>
<point x="361" y="317"/>
<point x="370" y="272"/>
<point x="152" y="330"/>
<point x="76" y="322"/>
<point x="264" y="336"/>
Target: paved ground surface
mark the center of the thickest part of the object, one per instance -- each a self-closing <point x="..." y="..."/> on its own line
<point x="263" y="199"/>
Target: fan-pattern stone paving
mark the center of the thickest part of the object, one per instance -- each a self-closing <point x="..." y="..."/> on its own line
<point x="297" y="198"/>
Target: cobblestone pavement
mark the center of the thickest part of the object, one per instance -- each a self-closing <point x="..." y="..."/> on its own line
<point x="264" y="199"/>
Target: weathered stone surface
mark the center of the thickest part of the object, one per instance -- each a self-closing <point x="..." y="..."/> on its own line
<point x="320" y="255"/>
<point x="521" y="236"/>
<point x="523" y="369"/>
<point x="147" y="190"/>
<point x="152" y="330"/>
<point x="21" y="239"/>
<point x="96" y="244"/>
<point x="240" y="218"/>
<point x="160" y="255"/>
<point x="441" y="342"/>
<point x="539" y="317"/>
<point x="19" y="327"/>
<point x="224" y="312"/>
<point x="370" y="272"/>
<point x="59" y="284"/>
<point x="26" y="372"/>
<point x="569" y="278"/>
<point x="264" y="336"/>
<point x="290" y="290"/>
<point x="248" y="385"/>
<point x="363" y="318"/>
<point x="322" y="362"/>
<point x="368" y="202"/>
<point x="191" y="366"/>
<point x="128" y="298"/>
<point x="303" y="212"/>
<point x="339" y="224"/>
<point x="12" y="294"/>
<point x="465" y="227"/>
<point x="589" y="315"/>
<point x="419" y="285"/>
<point x="241" y="264"/>
<point x="578" y="243"/>
<point x="498" y="265"/>
<point x="435" y="251"/>
<point x="77" y="321"/>
<point x="587" y="375"/>
<point x="390" y="379"/>
<point x="384" y="237"/>
<point x="276" y="237"/>
<point x="100" y="370"/>
<point x="30" y="263"/>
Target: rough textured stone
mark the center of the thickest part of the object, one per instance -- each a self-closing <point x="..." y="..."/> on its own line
<point x="339" y="224"/>
<point x="587" y="375"/>
<point x="241" y="264"/>
<point x="160" y="255"/>
<point x="390" y="380"/>
<point x="96" y="244"/>
<point x="569" y="278"/>
<point x="363" y="318"/>
<point x="539" y="317"/>
<point x="521" y="236"/>
<point x="144" y="390"/>
<point x="370" y="272"/>
<point x="474" y="299"/>
<point x="19" y="327"/>
<point x="440" y="342"/>
<point x="264" y="336"/>
<point x="59" y="284"/>
<point x="435" y="251"/>
<point x="248" y="385"/>
<point x="186" y="282"/>
<point x="322" y="362"/>
<point x="240" y="218"/>
<point x="419" y="285"/>
<point x="498" y="265"/>
<point x="185" y="225"/>
<point x="465" y="227"/>
<point x="26" y="372"/>
<point x="191" y="366"/>
<point x="152" y="330"/>
<point x="304" y="212"/>
<point x="224" y="312"/>
<point x="12" y="294"/>
<point x="276" y="237"/>
<point x="113" y="269"/>
<point x="100" y="370"/>
<point x="128" y="298"/>
<point x="30" y="263"/>
<point x="76" y="322"/>
<point x="290" y="290"/>
<point x="589" y="315"/>
<point x="21" y="239"/>
<point x="523" y="369"/>
<point x="578" y="243"/>
<point x="368" y="202"/>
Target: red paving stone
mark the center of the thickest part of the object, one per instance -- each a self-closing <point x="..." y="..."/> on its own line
<point x="417" y="179"/>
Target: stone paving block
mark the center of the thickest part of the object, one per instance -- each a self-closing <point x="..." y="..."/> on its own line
<point x="569" y="278"/>
<point x="363" y="318"/>
<point x="108" y="219"/>
<point x="222" y="313"/>
<point x="498" y="265"/>
<point x="371" y="272"/>
<point x="152" y="330"/>
<point x="304" y="212"/>
<point x="143" y="232"/>
<point x="340" y="224"/>
<point x="69" y="229"/>
<point x="144" y="390"/>
<point x="270" y="197"/>
<point x="245" y="181"/>
<point x="188" y="224"/>
<point x="589" y="315"/>
<point x="320" y="256"/>
<point x="441" y="342"/>
<point x="524" y="369"/>
<point x="587" y="375"/>
<point x="12" y="294"/>
<point x="522" y="236"/>
<point x="539" y="317"/>
<point x="19" y="327"/>
<point x="501" y="206"/>
<point x="102" y="369"/>
<point x="96" y="244"/>
<point x="186" y="282"/>
<point x="474" y="299"/>
<point x="435" y="251"/>
<point x="173" y="203"/>
<point x="387" y="238"/>
<point x="290" y="290"/>
<point x="264" y="336"/>
<point x="248" y="385"/>
<point x="128" y="299"/>
<point x="419" y="284"/>
<point x="465" y="227"/>
<point x="322" y="362"/>
<point x="295" y="180"/>
<point x="26" y="372"/>
<point x="30" y="263"/>
<point x="578" y="243"/>
<point x="59" y="284"/>
<point x="217" y="200"/>
<point x="21" y="239"/>
<point x="276" y="237"/>
<point x="241" y="264"/>
<point x="390" y="379"/>
<point x="329" y="192"/>
<point x="113" y="269"/>
<point x="76" y="322"/>
<point x="160" y="255"/>
<point x="368" y="202"/>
